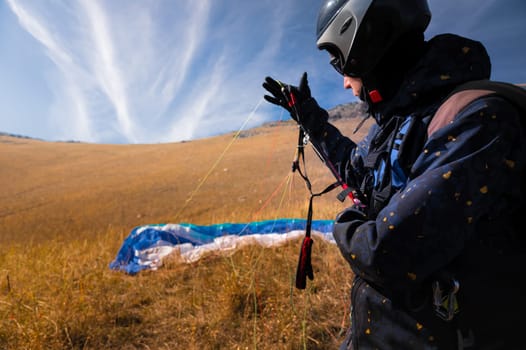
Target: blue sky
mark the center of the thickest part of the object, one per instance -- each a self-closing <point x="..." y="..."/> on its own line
<point x="149" y="71"/>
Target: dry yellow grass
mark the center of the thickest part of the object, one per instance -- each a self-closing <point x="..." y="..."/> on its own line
<point x="65" y="209"/>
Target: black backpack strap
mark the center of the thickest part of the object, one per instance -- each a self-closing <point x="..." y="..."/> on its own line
<point x="513" y="93"/>
<point x="445" y="286"/>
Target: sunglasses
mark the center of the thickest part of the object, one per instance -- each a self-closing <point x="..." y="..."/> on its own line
<point x="336" y="64"/>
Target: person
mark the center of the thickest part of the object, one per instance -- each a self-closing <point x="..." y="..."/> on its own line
<point x="434" y="239"/>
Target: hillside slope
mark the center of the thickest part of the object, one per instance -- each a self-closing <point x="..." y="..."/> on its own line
<point x="58" y="189"/>
<point x="65" y="209"/>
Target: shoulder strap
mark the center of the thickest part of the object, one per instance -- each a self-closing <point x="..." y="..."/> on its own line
<point x="511" y="92"/>
<point x="467" y="92"/>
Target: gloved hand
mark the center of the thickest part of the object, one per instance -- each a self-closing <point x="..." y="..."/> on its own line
<point x="299" y="103"/>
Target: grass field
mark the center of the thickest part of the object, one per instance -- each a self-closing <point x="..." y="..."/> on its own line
<point x="65" y="209"/>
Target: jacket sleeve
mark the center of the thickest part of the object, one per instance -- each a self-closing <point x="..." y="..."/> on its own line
<point x="468" y="169"/>
<point x="346" y="155"/>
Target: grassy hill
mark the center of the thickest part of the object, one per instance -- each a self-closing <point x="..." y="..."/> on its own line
<point x="65" y="209"/>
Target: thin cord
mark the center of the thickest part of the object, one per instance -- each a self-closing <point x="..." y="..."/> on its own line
<point x="286" y="180"/>
<point x="194" y="192"/>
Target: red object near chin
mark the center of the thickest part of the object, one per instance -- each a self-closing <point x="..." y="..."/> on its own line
<point x="375" y="96"/>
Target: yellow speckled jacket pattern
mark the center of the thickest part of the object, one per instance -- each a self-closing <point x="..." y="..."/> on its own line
<point x="443" y="198"/>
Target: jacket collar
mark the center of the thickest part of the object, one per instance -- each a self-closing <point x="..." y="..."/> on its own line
<point x="448" y="60"/>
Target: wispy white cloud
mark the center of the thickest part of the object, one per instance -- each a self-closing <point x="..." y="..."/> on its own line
<point x="188" y="38"/>
<point x="56" y="51"/>
<point x="105" y="66"/>
<point x="39" y="31"/>
<point x="163" y="70"/>
<point x="99" y="70"/>
<point x="160" y="70"/>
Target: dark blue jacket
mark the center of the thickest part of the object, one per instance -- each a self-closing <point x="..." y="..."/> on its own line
<point x="444" y="194"/>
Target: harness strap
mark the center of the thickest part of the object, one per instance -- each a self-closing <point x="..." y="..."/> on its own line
<point x="304" y="268"/>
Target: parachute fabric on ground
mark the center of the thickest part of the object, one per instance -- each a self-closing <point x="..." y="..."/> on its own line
<point x="146" y="246"/>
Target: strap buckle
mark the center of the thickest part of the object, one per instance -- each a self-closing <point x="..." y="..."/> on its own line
<point x="446" y="303"/>
<point x="343" y="194"/>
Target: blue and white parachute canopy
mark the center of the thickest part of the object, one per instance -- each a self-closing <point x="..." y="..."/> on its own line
<point x="146" y="246"/>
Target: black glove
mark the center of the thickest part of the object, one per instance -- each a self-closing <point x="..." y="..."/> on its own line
<point x="299" y="103"/>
